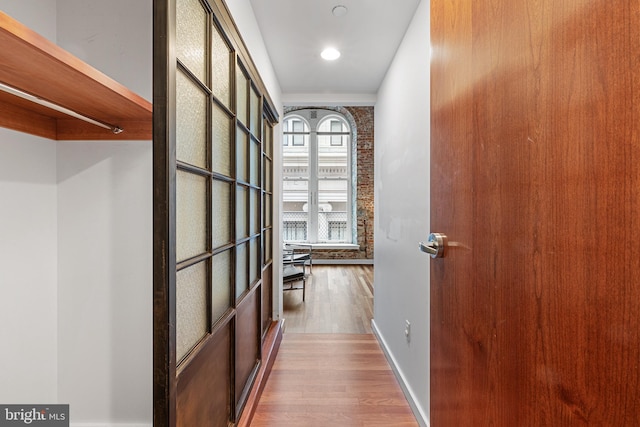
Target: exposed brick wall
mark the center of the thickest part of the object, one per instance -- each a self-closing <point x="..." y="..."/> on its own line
<point x="362" y="119"/>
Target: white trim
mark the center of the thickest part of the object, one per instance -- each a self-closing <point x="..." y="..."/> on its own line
<point x="329" y="99"/>
<point x="343" y="261"/>
<point x="340" y="246"/>
<point x="418" y="412"/>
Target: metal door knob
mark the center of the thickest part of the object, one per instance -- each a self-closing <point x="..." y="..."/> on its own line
<point x="435" y="245"/>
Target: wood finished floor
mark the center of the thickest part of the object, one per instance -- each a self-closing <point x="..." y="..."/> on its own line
<point x="330" y="370"/>
<point x="339" y="299"/>
<point x="323" y="380"/>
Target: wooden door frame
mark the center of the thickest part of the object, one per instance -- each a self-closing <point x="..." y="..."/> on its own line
<point x="164" y="219"/>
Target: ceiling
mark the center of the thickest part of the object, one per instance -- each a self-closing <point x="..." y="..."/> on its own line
<point x="296" y="31"/>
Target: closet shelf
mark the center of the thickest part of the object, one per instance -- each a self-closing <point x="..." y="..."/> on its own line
<point x="34" y="65"/>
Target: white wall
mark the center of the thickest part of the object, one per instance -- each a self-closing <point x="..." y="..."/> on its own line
<point x="105" y="283"/>
<point x="28" y="240"/>
<point x="28" y="325"/>
<point x="339" y="100"/>
<point x="115" y="37"/>
<point x="75" y="227"/>
<point x="245" y="19"/>
<point x="401" y="277"/>
<point x="39" y="15"/>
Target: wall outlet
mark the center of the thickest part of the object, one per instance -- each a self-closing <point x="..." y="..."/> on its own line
<point x="407" y="330"/>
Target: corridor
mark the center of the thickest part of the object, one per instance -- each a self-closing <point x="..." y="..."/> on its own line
<point x="330" y="370"/>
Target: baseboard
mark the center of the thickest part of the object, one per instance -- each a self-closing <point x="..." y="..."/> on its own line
<point x="343" y="261"/>
<point x="421" y="417"/>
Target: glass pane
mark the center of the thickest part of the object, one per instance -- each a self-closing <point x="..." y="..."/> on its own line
<point x="267" y="245"/>
<point x="221" y="214"/>
<point x="191" y="122"/>
<point x="242" y="212"/>
<point x="191" y="307"/>
<point x="255" y="114"/>
<point x="295" y="226"/>
<point x="332" y="158"/>
<point x="241" y="95"/>
<point x="242" y="156"/>
<point x="294" y="210"/>
<point x="191" y="36"/>
<point x="296" y="133"/>
<point x="267" y="139"/>
<point x="221" y="68"/>
<point x="332" y="210"/>
<point x="242" y="281"/>
<point x="268" y="175"/>
<point x="222" y="146"/>
<point x="255" y="212"/>
<point x="295" y="159"/>
<point x="254" y="177"/>
<point x="333" y="192"/>
<point x="333" y="125"/>
<point x="191" y="215"/>
<point x="295" y="186"/>
<point x="267" y="211"/>
<point x="222" y="284"/>
<point x="254" y="260"/>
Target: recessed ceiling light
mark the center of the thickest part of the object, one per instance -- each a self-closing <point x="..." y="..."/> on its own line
<point x="330" y="54"/>
<point x="339" y="10"/>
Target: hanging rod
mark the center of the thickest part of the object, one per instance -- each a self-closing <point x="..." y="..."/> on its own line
<point x="24" y="95"/>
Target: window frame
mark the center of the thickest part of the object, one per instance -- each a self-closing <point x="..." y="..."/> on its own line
<point x="313" y="120"/>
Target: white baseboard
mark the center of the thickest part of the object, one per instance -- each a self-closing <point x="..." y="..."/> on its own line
<point x="421" y="417"/>
<point x="343" y="261"/>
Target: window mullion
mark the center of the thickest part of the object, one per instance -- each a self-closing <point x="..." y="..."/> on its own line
<point x="313" y="187"/>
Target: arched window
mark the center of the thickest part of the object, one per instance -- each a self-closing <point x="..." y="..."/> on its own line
<point x="317" y="174"/>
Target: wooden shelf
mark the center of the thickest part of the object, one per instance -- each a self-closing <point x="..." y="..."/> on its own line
<point x="33" y="64"/>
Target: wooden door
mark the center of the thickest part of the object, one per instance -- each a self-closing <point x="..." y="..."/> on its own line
<point x="213" y="220"/>
<point x="535" y="133"/>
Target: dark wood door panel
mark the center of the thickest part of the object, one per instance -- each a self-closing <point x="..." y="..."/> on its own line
<point x="203" y="386"/>
<point x="536" y="182"/>
<point x="248" y="339"/>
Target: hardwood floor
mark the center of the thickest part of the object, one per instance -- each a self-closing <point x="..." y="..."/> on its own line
<point x="330" y="370"/>
<point x="330" y="380"/>
<point x="339" y="299"/>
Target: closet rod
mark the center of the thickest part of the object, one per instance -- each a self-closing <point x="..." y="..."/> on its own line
<point x="24" y="95"/>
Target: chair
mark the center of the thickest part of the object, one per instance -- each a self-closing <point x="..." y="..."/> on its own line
<point x="291" y="274"/>
<point x="299" y="254"/>
<point x="295" y="259"/>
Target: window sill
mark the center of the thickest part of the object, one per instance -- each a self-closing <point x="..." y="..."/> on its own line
<point x="341" y="246"/>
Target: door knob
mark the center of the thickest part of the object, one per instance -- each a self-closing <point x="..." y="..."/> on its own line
<point x="435" y="245"/>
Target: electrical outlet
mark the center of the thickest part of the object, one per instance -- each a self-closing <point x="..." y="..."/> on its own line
<point x="407" y="330"/>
